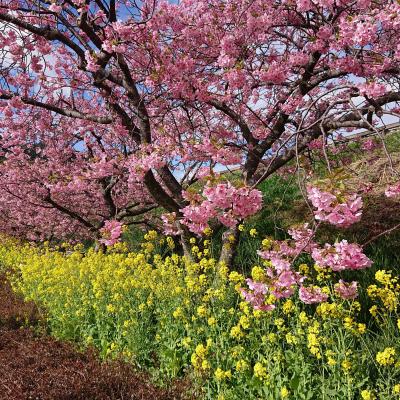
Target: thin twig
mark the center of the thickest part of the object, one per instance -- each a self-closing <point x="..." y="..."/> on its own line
<point x="381" y="234"/>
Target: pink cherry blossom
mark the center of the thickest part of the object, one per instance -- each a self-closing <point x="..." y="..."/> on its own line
<point x="256" y="295"/>
<point x="91" y="62"/>
<point x="220" y="195"/>
<point x="224" y="202"/>
<point x="55" y="8"/>
<point x="346" y="290"/>
<point x="372" y="90"/>
<point x="169" y="224"/>
<point x="284" y="283"/>
<point x="341" y="256"/>
<point x="111" y="232"/>
<point x="312" y="295"/>
<point x="109" y="118"/>
<point x="284" y="251"/>
<point x="393" y="190"/>
<point x="330" y="209"/>
<point x="196" y="217"/>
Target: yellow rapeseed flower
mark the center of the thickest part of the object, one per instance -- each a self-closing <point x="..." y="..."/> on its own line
<point x="201" y="350"/>
<point x="288" y="306"/>
<point x="257" y="273"/>
<point x="303" y="318"/>
<point x="361" y="328"/>
<point x="396" y="389"/>
<point x="241" y="366"/>
<point x="244" y="322"/>
<point x="386" y="357"/>
<point x="178" y="313"/>
<point x="151" y="235"/>
<point x="383" y="277"/>
<point x="208" y="231"/>
<point x="205" y="365"/>
<point x="346" y="365"/>
<point x="331" y="361"/>
<point x="221" y="375"/>
<point x="291" y="339"/>
<point x="304" y="269"/>
<point x="235" y="277"/>
<point x="367" y="395"/>
<point x="260" y="371"/>
<point x="202" y="311"/>
<point x="110" y="308"/>
<point x="374" y="310"/>
<point x="236" y="332"/>
<point x="266" y="243"/>
<point x="272" y="337"/>
<point x="284" y="392"/>
<point x="186" y="342"/>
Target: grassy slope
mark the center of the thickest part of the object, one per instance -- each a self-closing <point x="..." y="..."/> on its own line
<point x="285" y="206"/>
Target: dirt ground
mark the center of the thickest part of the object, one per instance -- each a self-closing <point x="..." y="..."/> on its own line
<point x="37" y="367"/>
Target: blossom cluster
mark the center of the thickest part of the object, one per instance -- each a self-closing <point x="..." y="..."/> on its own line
<point x="341" y="213"/>
<point x="346" y="290"/>
<point x="312" y="294"/>
<point x="256" y="297"/>
<point x="224" y="202"/>
<point x="280" y="279"/>
<point x="111" y="232"/>
<point x="341" y="256"/>
<point x="169" y="224"/>
<point x="393" y="190"/>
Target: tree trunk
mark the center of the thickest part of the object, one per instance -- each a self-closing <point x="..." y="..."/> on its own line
<point x="185" y="240"/>
<point x="230" y="240"/>
<point x="100" y="247"/>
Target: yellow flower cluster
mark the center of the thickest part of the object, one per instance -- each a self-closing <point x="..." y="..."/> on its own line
<point x="198" y="358"/>
<point x="180" y="315"/>
<point x="260" y="371"/>
<point x="387" y="292"/>
<point x="314" y="340"/>
<point x="367" y="395"/>
<point x="386" y="357"/>
<point x="396" y="389"/>
<point x="220" y="374"/>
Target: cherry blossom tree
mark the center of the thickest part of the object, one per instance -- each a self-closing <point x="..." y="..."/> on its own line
<point x="110" y="108"/>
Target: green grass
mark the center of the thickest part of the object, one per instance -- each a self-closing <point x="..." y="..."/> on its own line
<point x="279" y="195"/>
<point x="392" y="141"/>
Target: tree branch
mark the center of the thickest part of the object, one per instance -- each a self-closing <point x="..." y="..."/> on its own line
<point x="47" y="33"/>
<point x="62" y="111"/>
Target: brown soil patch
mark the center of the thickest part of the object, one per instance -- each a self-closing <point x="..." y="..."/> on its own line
<point x="38" y="367"/>
<point x="14" y="312"/>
